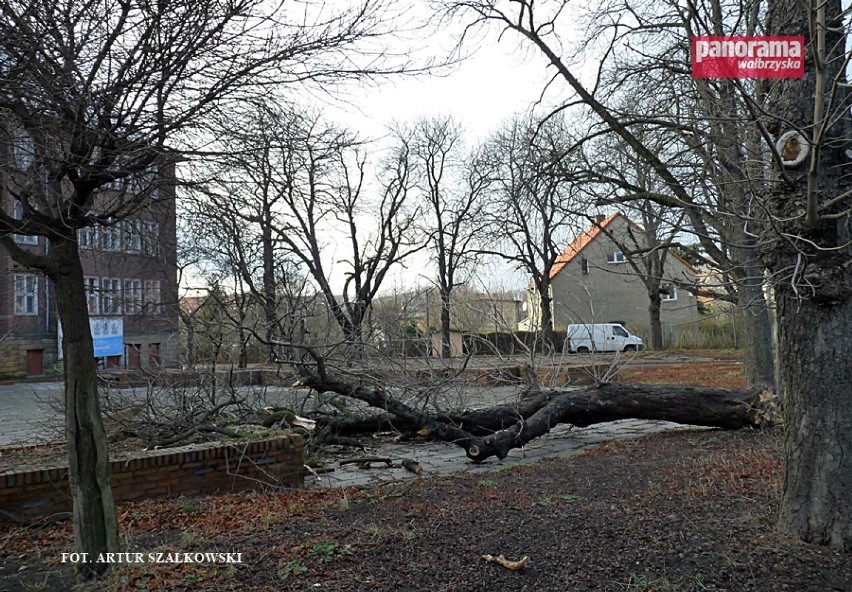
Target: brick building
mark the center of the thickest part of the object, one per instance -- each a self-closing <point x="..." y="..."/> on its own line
<point x="131" y="283"/>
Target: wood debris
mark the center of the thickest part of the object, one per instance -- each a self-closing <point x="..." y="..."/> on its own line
<point x="513" y="565"/>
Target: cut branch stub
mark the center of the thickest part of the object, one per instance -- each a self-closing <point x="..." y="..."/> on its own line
<point x="793" y="148"/>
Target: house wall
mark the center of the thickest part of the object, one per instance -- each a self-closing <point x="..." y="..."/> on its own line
<point x="612" y="292"/>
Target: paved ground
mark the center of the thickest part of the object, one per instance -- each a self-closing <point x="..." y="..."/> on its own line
<point x="31" y="412"/>
<point x="438" y="458"/>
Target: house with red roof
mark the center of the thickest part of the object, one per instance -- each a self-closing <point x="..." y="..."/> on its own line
<point x="594" y="282"/>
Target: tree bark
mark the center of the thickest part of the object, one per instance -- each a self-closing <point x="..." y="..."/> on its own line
<point x="95" y="524"/>
<point x="656" y="322"/>
<point x="811" y="254"/>
<point x="446" y="344"/>
<point x="816" y="376"/>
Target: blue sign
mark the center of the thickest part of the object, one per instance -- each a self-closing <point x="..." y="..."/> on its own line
<point x="107" y="336"/>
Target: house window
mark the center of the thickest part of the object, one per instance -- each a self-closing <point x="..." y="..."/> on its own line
<point x="151" y="239"/>
<point x="153" y="355"/>
<point x="22" y="239"/>
<point x="93" y="295"/>
<point x="132" y="296"/>
<point x="153" y="304"/>
<point x="615" y="257"/>
<point x="584" y="266"/>
<point x="133" y="355"/>
<point x="111" y="237"/>
<point x="132" y="235"/>
<point x="24" y="149"/>
<point x="111" y="296"/>
<point x="670" y="295"/>
<point x="26" y="294"/>
<point x="87" y="238"/>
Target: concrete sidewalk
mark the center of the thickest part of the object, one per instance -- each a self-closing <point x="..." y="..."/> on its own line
<point x="439" y="458"/>
<point x="30" y="412"/>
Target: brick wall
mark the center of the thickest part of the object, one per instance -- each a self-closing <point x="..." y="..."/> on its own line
<point x="32" y="492"/>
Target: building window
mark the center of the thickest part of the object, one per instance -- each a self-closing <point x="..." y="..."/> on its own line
<point x="87" y="238"/>
<point x="153" y="303"/>
<point x="132" y="296"/>
<point x="133" y="355"/>
<point x="615" y="257"/>
<point x="111" y="237"/>
<point x="132" y="235"/>
<point x="93" y="295"/>
<point x="26" y="294"/>
<point x="153" y="355"/>
<point x="22" y="239"/>
<point x="670" y="294"/>
<point x="24" y="149"/>
<point x="111" y="296"/>
<point x="151" y="239"/>
<point x="584" y="266"/>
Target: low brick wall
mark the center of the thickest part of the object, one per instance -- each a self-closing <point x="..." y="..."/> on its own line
<point x="32" y="492"/>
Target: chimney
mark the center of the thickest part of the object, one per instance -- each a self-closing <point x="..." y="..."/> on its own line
<point x="600" y="218"/>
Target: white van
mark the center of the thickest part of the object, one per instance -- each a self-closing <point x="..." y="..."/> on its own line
<point x="601" y="337"/>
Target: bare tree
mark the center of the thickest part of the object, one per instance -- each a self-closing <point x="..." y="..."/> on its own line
<point x="306" y="190"/>
<point x="454" y="184"/>
<point x="97" y="91"/>
<point x="797" y="223"/>
<point x="534" y="208"/>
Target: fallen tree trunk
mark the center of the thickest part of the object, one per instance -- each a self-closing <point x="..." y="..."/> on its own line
<point x="691" y="405"/>
<point x="480" y="422"/>
<point x="513" y="426"/>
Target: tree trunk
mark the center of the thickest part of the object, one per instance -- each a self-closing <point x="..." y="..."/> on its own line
<point x="816" y="378"/>
<point x="656" y="323"/>
<point x="95" y="525"/>
<point x="545" y="302"/>
<point x="814" y="298"/>
<point x="446" y="345"/>
<point x="270" y="293"/>
<point x="758" y="364"/>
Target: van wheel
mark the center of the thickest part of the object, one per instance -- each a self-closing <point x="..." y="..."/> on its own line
<point x="630" y="348"/>
<point x="582" y="350"/>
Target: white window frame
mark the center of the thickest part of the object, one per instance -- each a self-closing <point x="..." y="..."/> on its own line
<point x="133" y="296"/>
<point x="111" y="296"/>
<point x="26" y="294"/>
<point x="671" y="296"/>
<point x="93" y="294"/>
<point x="153" y="297"/>
<point x="616" y="256"/>
<point x="87" y="237"/>
<point x="111" y="237"/>
<point x="22" y="239"/>
<point x="132" y="234"/>
<point x="150" y="238"/>
<point x="24" y="149"/>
